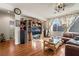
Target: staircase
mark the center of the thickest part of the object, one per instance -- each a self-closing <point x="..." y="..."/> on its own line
<point x="72" y="27"/>
<point x="71" y="24"/>
<point x="75" y="26"/>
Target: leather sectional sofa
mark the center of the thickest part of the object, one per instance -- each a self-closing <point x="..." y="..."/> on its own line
<point x="71" y="44"/>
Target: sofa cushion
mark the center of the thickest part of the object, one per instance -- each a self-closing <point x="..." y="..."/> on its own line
<point x="75" y="34"/>
<point x="74" y="42"/>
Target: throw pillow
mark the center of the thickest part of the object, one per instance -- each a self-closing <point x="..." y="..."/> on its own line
<point x="76" y="37"/>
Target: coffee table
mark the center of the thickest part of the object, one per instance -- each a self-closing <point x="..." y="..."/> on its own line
<point x="53" y="44"/>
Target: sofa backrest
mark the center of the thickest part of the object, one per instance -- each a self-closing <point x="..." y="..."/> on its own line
<point x="70" y="34"/>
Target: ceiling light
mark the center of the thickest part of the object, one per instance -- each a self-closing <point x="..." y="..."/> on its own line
<point x="59" y="7"/>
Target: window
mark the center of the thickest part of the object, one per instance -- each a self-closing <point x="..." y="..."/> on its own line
<point x="57" y="25"/>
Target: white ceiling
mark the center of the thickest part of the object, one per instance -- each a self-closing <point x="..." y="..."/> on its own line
<point x="40" y="10"/>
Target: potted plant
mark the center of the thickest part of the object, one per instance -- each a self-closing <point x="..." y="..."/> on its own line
<point x="2" y="37"/>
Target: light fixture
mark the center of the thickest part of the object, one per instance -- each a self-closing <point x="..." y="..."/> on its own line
<point x="59" y="7"/>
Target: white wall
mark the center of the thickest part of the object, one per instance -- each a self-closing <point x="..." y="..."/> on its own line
<point x="4" y="25"/>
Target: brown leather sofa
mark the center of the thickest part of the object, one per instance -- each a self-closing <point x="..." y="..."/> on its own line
<point x="69" y="35"/>
<point x="70" y="48"/>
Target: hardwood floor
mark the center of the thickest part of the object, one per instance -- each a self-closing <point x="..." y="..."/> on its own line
<point x="33" y="48"/>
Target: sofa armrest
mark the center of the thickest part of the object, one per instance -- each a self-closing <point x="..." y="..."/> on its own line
<point x="65" y="39"/>
<point x="71" y="50"/>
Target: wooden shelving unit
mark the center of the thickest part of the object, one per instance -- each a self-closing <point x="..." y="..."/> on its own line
<point x="32" y="24"/>
<point x="30" y="27"/>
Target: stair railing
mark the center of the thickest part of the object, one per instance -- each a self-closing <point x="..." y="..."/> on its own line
<point x="72" y="23"/>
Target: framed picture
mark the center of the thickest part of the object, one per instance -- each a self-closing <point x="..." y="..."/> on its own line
<point x="11" y="22"/>
<point x="17" y="23"/>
